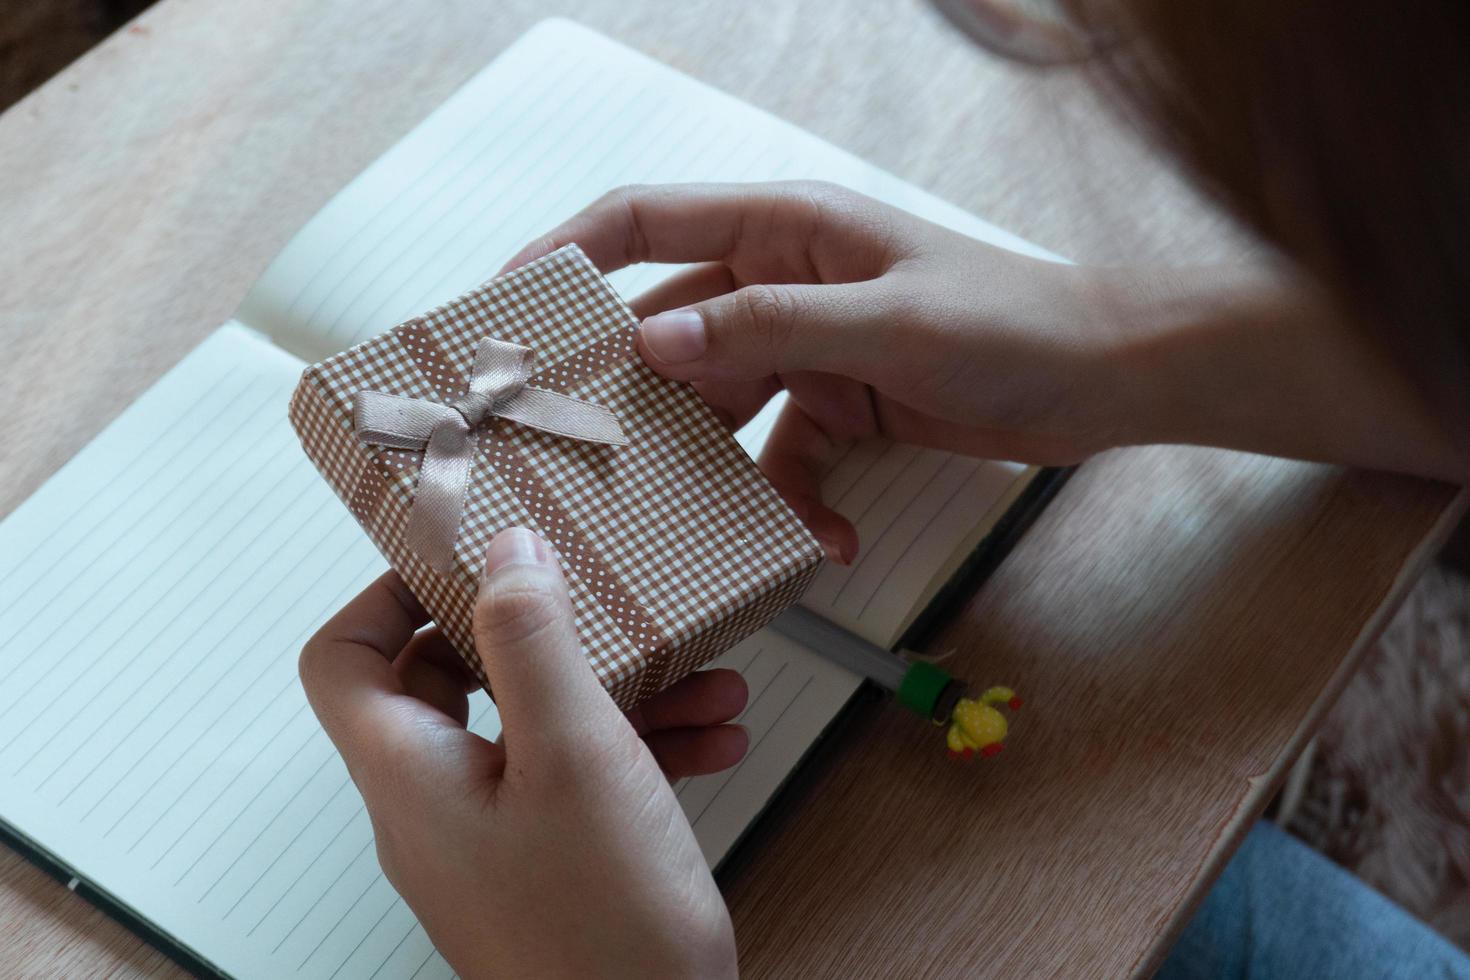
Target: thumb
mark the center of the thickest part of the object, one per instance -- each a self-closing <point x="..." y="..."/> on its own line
<point x="763" y="330"/>
<point x="551" y="705"/>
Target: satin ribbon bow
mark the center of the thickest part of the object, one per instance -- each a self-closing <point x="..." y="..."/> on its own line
<point x="446" y="434"/>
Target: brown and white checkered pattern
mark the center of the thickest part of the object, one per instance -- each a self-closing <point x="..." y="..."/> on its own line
<point x="675" y="546"/>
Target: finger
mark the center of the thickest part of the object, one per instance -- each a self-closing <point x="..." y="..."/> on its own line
<point x="795" y="459"/>
<point x="430" y="670"/>
<point x="382" y="618"/>
<point x="766" y="329"/>
<point x="684" y="288"/>
<point x="735" y="403"/>
<point x="551" y="705"/>
<point x="775" y="231"/>
<point x="432" y="645"/>
<point x="707" y="697"/>
<point x="347" y="671"/>
<point x="698" y="751"/>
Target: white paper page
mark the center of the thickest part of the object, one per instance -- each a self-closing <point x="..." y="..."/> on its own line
<point x="153" y="734"/>
<point x="917" y="513"/>
<point x="794" y="695"/>
<point x="560" y="117"/>
<point x="912" y="508"/>
<point x="154" y="737"/>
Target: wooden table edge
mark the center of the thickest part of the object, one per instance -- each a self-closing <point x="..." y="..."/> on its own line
<point x="1267" y="784"/>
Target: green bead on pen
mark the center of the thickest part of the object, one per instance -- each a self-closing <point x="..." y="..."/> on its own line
<point x="929" y="691"/>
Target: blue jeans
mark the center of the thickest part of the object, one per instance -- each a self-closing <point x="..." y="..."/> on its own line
<point x="1282" y="910"/>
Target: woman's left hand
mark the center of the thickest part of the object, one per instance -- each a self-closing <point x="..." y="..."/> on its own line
<point x="559" y="849"/>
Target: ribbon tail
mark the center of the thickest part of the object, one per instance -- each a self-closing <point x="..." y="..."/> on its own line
<point x="563" y="415"/>
<point x="438" y="504"/>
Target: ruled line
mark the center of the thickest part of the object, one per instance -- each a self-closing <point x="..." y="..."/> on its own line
<point x="199" y="661"/>
<point x="269" y="669"/>
<point x="934" y="516"/>
<point x="395" y="261"/>
<point x="486" y="128"/>
<point x="386" y="260"/>
<point x="46" y="669"/>
<point x="351" y="817"/>
<point x="873" y="548"/>
<point x="222" y="447"/>
<point x="750" y="750"/>
<point x="412" y="928"/>
<point x="392" y="904"/>
<point x="741" y="764"/>
<point x="164" y="443"/>
<point x="577" y="187"/>
<point x="34" y="718"/>
<point x="357" y="811"/>
<point x="327" y="891"/>
<point x="291" y="684"/>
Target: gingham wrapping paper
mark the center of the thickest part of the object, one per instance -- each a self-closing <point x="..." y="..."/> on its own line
<point x="675" y="547"/>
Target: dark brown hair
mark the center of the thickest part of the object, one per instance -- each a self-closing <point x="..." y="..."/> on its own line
<point x="1337" y="130"/>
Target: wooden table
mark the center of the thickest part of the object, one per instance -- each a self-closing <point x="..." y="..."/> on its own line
<point x="1180" y="619"/>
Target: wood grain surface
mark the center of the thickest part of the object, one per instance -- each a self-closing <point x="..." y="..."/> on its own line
<point x="1178" y="620"/>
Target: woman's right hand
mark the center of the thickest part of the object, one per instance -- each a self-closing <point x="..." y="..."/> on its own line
<point x="877" y="323"/>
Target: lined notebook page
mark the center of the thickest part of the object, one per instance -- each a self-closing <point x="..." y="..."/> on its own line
<point x="154" y="737"/>
<point x="794" y="695"/>
<point x="918" y="512"/>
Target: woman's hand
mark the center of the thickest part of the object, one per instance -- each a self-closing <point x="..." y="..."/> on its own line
<point x="559" y="850"/>
<point x="880" y="323"/>
<point x="876" y="322"/>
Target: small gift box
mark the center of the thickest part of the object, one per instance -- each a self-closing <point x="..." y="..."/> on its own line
<point x="524" y="402"/>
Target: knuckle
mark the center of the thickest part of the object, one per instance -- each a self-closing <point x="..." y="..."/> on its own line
<point x="836" y="220"/>
<point x="624" y="193"/>
<point x="622" y="203"/>
<point x="824" y="194"/>
<point x="518" y="611"/>
<point x="769" y="313"/>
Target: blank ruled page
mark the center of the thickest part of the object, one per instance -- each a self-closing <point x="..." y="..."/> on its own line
<point x="794" y="695"/>
<point x="918" y="513"/>
<point x="154" y="737"/>
<point x="560" y="117"/>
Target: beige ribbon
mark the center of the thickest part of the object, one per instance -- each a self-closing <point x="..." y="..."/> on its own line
<point x="446" y="434"/>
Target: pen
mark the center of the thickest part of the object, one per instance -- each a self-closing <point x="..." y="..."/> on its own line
<point x="918" y="685"/>
<point x="974" y="724"/>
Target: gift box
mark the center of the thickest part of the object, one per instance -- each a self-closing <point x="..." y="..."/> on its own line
<point x="525" y="403"/>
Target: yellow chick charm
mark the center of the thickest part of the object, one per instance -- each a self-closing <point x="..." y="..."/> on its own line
<point x="976" y="726"/>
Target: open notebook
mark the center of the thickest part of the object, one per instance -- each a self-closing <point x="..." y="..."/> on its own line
<point x="155" y="745"/>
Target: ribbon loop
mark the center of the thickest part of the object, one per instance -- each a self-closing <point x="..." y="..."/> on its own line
<point x="446" y="434"/>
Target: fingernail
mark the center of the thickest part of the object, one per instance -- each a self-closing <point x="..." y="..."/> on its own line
<point x="676" y="336"/>
<point x="514" y="546"/>
<point x="835" y="549"/>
